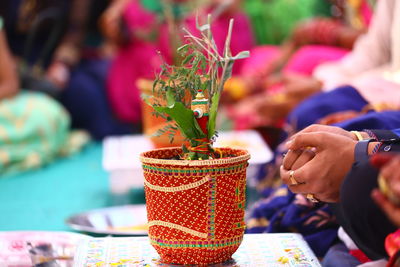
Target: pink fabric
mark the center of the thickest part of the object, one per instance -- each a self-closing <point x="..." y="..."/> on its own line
<point x="366" y="13"/>
<point x="139" y="59"/>
<point x="308" y="57"/>
<point x="303" y="61"/>
<point x="260" y="57"/>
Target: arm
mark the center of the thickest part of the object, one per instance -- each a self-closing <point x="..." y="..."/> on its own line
<point x="9" y="84"/>
<point x="321" y="157"/>
<point x="390" y="173"/>
<point x="371" y="50"/>
<point x="68" y="52"/>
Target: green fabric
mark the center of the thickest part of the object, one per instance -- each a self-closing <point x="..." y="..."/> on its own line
<point x="157" y="7"/>
<point x="273" y="20"/>
<point x="152" y="5"/>
<point x="33" y="130"/>
<point x="1" y="23"/>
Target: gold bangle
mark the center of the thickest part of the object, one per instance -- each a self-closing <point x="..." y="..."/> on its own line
<point x="358" y="135"/>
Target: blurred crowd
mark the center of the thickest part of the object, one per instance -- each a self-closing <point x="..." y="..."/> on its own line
<point x="323" y="80"/>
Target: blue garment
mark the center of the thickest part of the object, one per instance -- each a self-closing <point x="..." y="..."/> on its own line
<point x="86" y="100"/>
<point x="396" y="131"/>
<point x="338" y="255"/>
<point x="384" y="120"/>
<point x="320" y="105"/>
<point x="285" y="211"/>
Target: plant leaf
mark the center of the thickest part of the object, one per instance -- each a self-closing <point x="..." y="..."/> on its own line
<point x="184" y="119"/>
<point x="204" y="27"/>
<point x="213" y="114"/>
<point x="241" y="55"/>
<point x="170" y="97"/>
<point x="183" y="48"/>
<point x="227" y="75"/>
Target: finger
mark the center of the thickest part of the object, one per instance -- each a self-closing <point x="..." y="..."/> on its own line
<point x="380" y="159"/>
<point x="290" y="158"/>
<point x="389" y="170"/>
<point x="305" y="157"/>
<point x="388" y="207"/>
<point x="392" y="176"/>
<point x="302" y="140"/>
<point x="300" y="187"/>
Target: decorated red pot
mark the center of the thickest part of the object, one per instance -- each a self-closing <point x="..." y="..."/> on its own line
<point x="195" y="209"/>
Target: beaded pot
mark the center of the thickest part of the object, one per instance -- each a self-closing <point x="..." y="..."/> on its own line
<point x="195" y="208"/>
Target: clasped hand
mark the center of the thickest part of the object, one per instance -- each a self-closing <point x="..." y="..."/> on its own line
<point x="318" y="159"/>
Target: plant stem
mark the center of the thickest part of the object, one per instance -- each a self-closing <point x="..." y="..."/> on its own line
<point x="199" y="43"/>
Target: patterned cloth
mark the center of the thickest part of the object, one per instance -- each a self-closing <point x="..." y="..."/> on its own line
<point x="283" y="211"/>
<point x="34" y="129"/>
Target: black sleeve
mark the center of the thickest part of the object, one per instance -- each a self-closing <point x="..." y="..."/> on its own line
<point x="383" y="134"/>
<point x="358" y="214"/>
<point x="390" y="140"/>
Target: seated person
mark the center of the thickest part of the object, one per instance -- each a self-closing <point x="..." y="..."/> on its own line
<point x="34" y="128"/>
<point x="58" y="44"/>
<point x="367" y="75"/>
<point x="329" y="164"/>
<point x="387" y="198"/>
<point x="145" y="37"/>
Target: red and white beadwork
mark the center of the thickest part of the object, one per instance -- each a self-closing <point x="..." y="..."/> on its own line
<point x="195" y="209"/>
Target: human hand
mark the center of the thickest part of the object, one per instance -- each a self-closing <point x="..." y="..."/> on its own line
<point x="245" y="112"/>
<point x="308" y="31"/>
<point x="339" y="117"/>
<point x="300" y="85"/>
<point x="297" y="158"/>
<point x="388" y="198"/>
<point x="330" y="129"/>
<point x="323" y="173"/>
<point x="58" y="73"/>
<point x="110" y="20"/>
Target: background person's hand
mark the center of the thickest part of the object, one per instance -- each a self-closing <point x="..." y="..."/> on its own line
<point x="391" y="173"/>
<point x="58" y="73"/>
<point x="324" y="173"/>
<point x="339" y="117"/>
<point x="110" y="20"/>
<point x="299" y="85"/>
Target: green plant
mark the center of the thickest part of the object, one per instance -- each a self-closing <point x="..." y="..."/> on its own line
<point x="202" y="69"/>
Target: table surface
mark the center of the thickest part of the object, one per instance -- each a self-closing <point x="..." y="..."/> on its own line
<point x="274" y="250"/>
<point x="44" y="198"/>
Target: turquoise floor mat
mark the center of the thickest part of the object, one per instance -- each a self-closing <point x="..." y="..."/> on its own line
<point x="44" y="198"/>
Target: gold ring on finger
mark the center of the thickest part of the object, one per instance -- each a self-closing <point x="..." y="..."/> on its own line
<point x="292" y="179"/>
<point x="312" y="198"/>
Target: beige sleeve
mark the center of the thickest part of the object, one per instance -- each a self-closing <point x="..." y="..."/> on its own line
<point x="371" y="51"/>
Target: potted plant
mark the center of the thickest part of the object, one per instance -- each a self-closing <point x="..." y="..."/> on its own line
<point x="195" y="194"/>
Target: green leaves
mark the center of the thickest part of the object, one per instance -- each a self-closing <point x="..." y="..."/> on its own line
<point x="183" y="117"/>
<point x="202" y="67"/>
<point x="213" y="115"/>
<point x="241" y="55"/>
